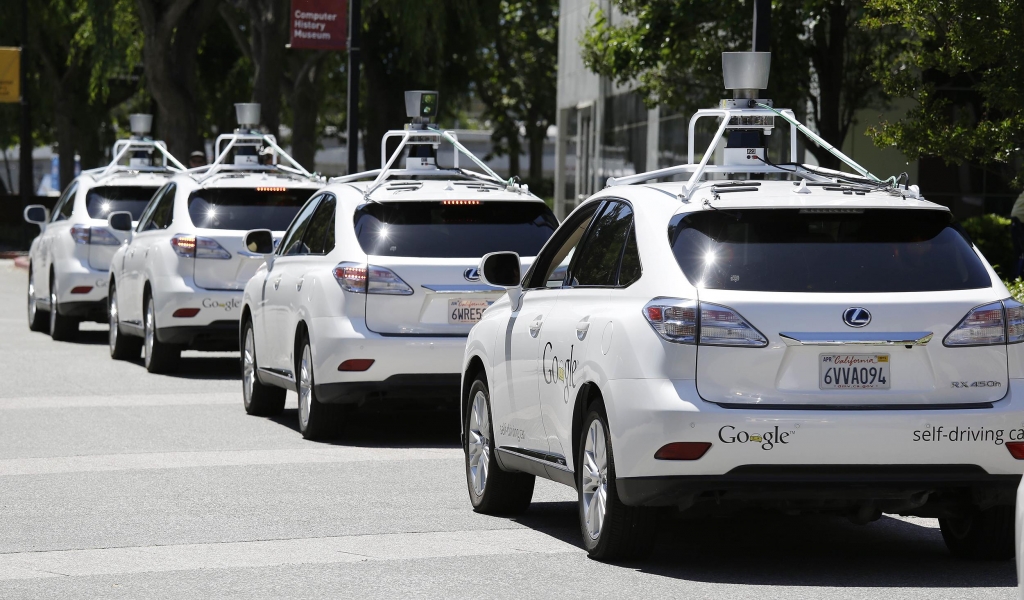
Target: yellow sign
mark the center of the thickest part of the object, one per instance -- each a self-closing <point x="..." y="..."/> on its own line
<point x="10" y="75"/>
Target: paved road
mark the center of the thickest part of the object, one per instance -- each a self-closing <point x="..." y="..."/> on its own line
<point x="117" y="483"/>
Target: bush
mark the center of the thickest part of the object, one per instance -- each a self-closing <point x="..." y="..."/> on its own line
<point x="1016" y="288"/>
<point x="991" y="234"/>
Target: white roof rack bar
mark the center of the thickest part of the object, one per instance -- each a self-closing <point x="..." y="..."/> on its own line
<point x="123" y="147"/>
<point x="218" y="165"/>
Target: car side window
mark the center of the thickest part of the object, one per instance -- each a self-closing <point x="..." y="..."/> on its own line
<point x="65" y="204"/>
<point x="549" y="269"/>
<point x="597" y="263"/>
<point x="292" y="244"/>
<point x="158" y="215"/>
<point x="630" y="270"/>
<point x="322" y="222"/>
<point x="147" y="213"/>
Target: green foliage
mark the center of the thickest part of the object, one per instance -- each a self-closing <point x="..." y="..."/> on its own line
<point x="960" y="60"/>
<point x="1016" y="288"/>
<point x="821" y="55"/>
<point x="991" y="234"/>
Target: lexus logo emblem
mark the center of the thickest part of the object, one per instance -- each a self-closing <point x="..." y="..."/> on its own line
<point x="856" y="317"/>
<point x="471" y="274"/>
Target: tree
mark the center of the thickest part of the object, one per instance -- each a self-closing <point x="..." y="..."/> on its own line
<point x="430" y="44"/>
<point x="960" y="63"/>
<point x="173" y="31"/>
<point x="515" y="78"/>
<point x="822" y="56"/>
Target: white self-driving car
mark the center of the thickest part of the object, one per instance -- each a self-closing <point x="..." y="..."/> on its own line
<point x="70" y="259"/>
<point x="177" y="284"/>
<point x="832" y="343"/>
<point x="374" y="287"/>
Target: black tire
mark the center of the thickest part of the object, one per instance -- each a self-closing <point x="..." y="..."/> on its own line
<point x="160" y="357"/>
<point x="62" y="328"/>
<point x="981" y="535"/>
<point x="624" y="532"/>
<point x="258" y="399"/>
<point x="316" y="420"/>
<point x="498" y="492"/>
<point x="37" y="320"/>
<point x="122" y="346"/>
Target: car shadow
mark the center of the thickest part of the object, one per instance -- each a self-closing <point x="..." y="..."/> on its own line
<point x="208" y="367"/>
<point x="772" y="549"/>
<point x="379" y="428"/>
<point x="91" y="337"/>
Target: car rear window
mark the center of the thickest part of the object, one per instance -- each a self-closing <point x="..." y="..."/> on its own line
<point x="453" y="229"/>
<point x="246" y="208"/>
<point x="101" y="201"/>
<point x="825" y="250"/>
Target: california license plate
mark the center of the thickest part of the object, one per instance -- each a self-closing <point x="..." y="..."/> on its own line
<point x="853" y="371"/>
<point x="466" y="312"/>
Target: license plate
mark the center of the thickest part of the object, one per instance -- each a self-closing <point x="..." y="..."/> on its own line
<point x="466" y="312"/>
<point x="853" y="371"/>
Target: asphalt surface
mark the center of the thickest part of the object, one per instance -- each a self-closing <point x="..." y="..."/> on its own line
<point x="117" y="483"/>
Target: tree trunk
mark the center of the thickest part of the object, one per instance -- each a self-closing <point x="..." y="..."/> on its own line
<point x="169" y="60"/>
<point x="828" y="63"/>
<point x="64" y="100"/>
<point x="305" y="101"/>
<point x="515" y="148"/>
<point x="384" y="108"/>
<point x="270" y="23"/>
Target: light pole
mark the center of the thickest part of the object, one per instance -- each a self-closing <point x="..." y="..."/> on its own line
<point x="25" y="179"/>
<point x="355" y="27"/>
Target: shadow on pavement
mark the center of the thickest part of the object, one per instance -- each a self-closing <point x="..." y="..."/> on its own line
<point x="398" y="428"/>
<point x="766" y="548"/>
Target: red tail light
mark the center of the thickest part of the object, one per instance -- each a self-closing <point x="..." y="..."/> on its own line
<point x="184" y="245"/>
<point x="186" y="312"/>
<point x="356" y="364"/>
<point x="81" y="289"/>
<point x="1016" y="449"/>
<point x="682" y="451"/>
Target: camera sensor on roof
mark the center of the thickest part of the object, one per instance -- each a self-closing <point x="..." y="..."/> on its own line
<point x="421" y="104"/>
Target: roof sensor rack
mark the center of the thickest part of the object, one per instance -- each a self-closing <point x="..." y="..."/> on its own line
<point x="744" y="122"/>
<point x="422" y="139"/>
<point x="245" y="147"/>
<point x="139" y="150"/>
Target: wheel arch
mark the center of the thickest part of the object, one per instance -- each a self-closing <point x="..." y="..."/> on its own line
<point x="300" y="328"/>
<point x="474" y="367"/>
<point x="587" y="396"/>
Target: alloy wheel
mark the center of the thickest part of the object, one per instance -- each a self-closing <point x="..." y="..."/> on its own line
<point x="479" y="443"/>
<point x="53" y="309"/>
<point x="113" y="319"/>
<point x="248" y="367"/>
<point x="305" y="387"/>
<point x="32" y="308"/>
<point x="595" y="479"/>
<point x="150" y="322"/>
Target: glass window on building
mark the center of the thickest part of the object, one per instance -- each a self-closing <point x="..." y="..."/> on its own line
<point x="624" y="136"/>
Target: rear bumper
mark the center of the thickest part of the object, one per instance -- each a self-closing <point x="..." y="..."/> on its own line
<point x="92" y="310"/>
<point x="397" y="387"/>
<point x="71" y="274"/>
<point x="215" y="336"/>
<point x="893" y="488"/>
<point x="215" y="307"/>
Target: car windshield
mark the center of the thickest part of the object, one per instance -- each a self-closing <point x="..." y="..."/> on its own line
<point x="453" y="228"/>
<point x="101" y="201"/>
<point x="825" y="250"/>
<point x="246" y="208"/>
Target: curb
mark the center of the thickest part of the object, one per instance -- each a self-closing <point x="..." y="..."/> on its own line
<point x="21" y="262"/>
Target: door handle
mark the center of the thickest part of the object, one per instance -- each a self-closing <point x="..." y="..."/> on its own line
<point x="535" y="326"/>
<point x="298" y="286"/>
<point x="277" y="283"/>
<point x="582" y="328"/>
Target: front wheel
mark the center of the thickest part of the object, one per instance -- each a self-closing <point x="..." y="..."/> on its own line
<point x="122" y="347"/>
<point x="491" y="490"/>
<point x="160" y="357"/>
<point x="981" y="535"/>
<point x="36" y="319"/>
<point x="611" y="530"/>
<point x="259" y="399"/>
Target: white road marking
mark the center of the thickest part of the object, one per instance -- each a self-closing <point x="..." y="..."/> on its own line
<point x="226" y="458"/>
<point x="183" y="399"/>
<point x="327" y="550"/>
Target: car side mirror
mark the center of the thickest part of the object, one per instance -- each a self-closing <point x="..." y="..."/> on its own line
<point x="501" y="269"/>
<point x="120" y="221"/>
<point x="36" y="214"/>
<point x="259" y="241"/>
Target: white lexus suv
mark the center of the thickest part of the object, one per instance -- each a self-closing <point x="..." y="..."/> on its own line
<point x="70" y="259"/>
<point x="832" y="343"/>
<point x="177" y="284"/>
<point x="374" y="287"/>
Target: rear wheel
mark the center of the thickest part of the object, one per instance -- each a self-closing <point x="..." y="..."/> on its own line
<point x="36" y="319"/>
<point x="160" y="357"/>
<point x="611" y="530"/>
<point x="122" y="347"/>
<point x="491" y="490"/>
<point x="259" y="399"/>
<point x="316" y="420"/>
<point x="62" y="327"/>
<point x="981" y="535"/>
